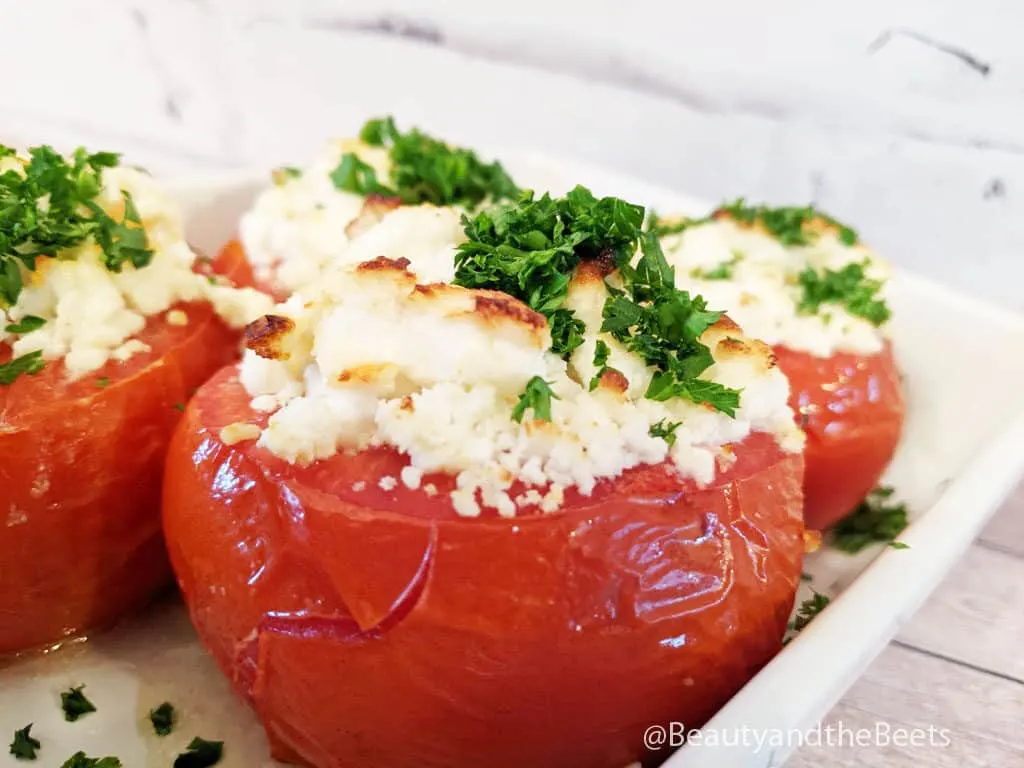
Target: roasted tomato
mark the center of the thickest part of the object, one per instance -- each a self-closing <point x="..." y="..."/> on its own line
<point x="851" y="408"/>
<point x="377" y="628"/>
<point x="80" y="474"/>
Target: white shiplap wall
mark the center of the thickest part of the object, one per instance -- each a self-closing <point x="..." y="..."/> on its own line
<point x="856" y="106"/>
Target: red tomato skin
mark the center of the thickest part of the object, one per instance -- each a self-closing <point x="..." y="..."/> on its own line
<point x="852" y="409"/>
<point x="232" y="260"/>
<point x="378" y="629"/>
<point x="80" y="476"/>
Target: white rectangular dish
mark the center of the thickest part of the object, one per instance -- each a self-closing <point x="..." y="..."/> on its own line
<point x="962" y="453"/>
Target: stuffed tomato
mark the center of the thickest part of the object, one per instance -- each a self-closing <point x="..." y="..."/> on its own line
<point x="804" y="283"/>
<point x="105" y="332"/>
<point x="421" y="525"/>
<point x="389" y="192"/>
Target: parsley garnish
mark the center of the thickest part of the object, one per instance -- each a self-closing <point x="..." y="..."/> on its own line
<point x="200" y="754"/>
<point x="663" y="228"/>
<point x="179" y="407"/>
<point x="537" y="396"/>
<point x="52" y="207"/>
<point x="876" y="519"/>
<point x="787" y="225"/>
<point x="601" y="353"/>
<point x="30" y="364"/>
<point x="423" y="170"/>
<point x="103" y="381"/>
<point x="848" y="287"/>
<point x="80" y="760"/>
<point x="566" y="332"/>
<point x="666" y="430"/>
<point x="663" y="326"/>
<point x="74" y="704"/>
<point x="27" y="324"/>
<point x="24" y="745"/>
<point x="162" y="718"/>
<point x="808" y="610"/>
<point x="531" y="248"/>
<point x="723" y="271"/>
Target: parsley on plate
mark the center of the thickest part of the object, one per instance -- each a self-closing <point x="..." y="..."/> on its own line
<point x="75" y="704"/>
<point x="200" y="754"/>
<point x="24" y="745"/>
<point x="877" y="519"/>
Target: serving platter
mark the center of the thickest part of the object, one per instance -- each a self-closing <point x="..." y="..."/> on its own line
<point x="961" y="454"/>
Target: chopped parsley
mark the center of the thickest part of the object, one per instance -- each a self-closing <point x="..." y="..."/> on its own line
<point x="531" y="248"/>
<point x="566" y="332"/>
<point x="723" y="271"/>
<point x="179" y="407"/>
<point x="666" y="430"/>
<point x="876" y="519"/>
<point x="787" y="225"/>
<point x="31" y="364"/>
<point x="663" y="325"/>
<point x="200" y="754"/>
<point x="24" y="745"/>
<point x="601" y="353"/>
<point x="536" y="397"/>
<point x="81" y="760"/>
<point x="423" y="170"/>
<point x="808" y="610"/>
<point x="74" y="704"/>
<point x="162" y="718"/>
<point x="102" y="382"/>
<point x="27" y="324"/>
<point x="848" y="287"/>
<point x="665" y="227"/>
<point x="53" y="206"/>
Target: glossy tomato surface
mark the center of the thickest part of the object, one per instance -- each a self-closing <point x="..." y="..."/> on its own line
<point x="81" y="465"/>
<point x="852" y="409"/>
<point x="233" y="260"/>
<point x="376" y="628"/>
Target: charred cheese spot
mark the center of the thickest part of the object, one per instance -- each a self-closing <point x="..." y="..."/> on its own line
<point x="384" y="264"/>
<point x="266" y="336"/>
<point x="613" y="381"/>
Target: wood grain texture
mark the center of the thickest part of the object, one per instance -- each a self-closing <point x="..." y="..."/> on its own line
<point x="979" y="715"/>
<point x="1006" y="531"/>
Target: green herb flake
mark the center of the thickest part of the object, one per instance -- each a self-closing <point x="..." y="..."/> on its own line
<point x="29" y="364"/>
<point x="423" y="170"/>
<point x="566" y="332"/>
<point x="24" y="745"/>
<point x="666" y="227"/>
<point x="103" y="382"/>
<point x="531" y="248"/>
<point x="51" y="207"/>
<point x="848" y="287"/>
<point x="808" y="610"/>
<point x="666" y="430"/>
<point x="75" y="704"/>
<point x="788" y="225"/>
<point x="663" y="326"/>
<point x="162" y="718"/>
<point x="81" y="760"/>
<point x="723" y="271"/>
<point x="200" y="754"/>
<point x="179" y="407"/>
<point x="877" y="519"/>
<point x="536" y="397"/>
<point x="27" y="324"/>
<point x="806" y="577"/>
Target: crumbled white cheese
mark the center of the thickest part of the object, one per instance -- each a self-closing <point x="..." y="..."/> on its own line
<point x="387" y="483"/>
<point x="239" y="432"/>
<point x="305" y="226"/>
<point x="91" y="314"/>
<point x="763" y="292"/>
<point x="373" y="358"/>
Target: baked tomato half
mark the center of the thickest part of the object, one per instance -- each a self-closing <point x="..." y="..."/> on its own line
<point x="370" y="625"/>
<point x="81" y="463"/>
<point x="851" y="408"/>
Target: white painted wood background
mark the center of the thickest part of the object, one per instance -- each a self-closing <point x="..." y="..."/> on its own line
<point x="904" y="117"/>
